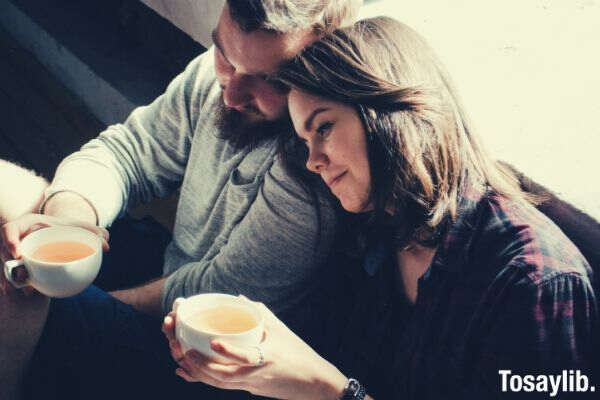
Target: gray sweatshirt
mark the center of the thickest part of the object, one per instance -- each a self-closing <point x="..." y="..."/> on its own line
<point x="242" y="224"/>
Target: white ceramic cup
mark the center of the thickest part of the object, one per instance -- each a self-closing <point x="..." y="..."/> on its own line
<point x="190" y="337"/>
<point x="57" y="279"/>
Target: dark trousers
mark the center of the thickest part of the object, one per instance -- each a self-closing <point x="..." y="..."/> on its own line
<point x="96" y="347"/>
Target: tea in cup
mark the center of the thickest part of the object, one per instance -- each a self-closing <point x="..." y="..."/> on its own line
<point x="61" y="261"/>
<point x="205" y="317"/>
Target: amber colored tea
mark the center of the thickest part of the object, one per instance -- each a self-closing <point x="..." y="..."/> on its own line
<point x="64" y="251"/>
<point x="223" y="319"/>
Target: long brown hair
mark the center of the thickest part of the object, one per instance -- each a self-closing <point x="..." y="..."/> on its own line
<point x="422" y="149"/>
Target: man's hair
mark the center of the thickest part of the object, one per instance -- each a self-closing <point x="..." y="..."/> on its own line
<point x="283" y="16"/>
<point x="422" y="150"/>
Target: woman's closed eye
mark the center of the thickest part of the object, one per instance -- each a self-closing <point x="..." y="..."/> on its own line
<point x="324" y="129"/>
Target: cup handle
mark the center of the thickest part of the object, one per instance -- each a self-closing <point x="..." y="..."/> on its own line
<point x="9" y="266"/>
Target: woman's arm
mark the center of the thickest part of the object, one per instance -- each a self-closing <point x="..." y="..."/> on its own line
<point x="289" y="369"/>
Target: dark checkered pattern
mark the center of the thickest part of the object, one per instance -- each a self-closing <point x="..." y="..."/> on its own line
<point x="506" y="290"/>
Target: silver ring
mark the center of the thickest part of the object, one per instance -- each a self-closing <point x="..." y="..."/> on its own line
<point x="261" y="356"/>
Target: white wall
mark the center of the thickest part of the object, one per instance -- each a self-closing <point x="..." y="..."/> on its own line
<point x="529" y="74"/>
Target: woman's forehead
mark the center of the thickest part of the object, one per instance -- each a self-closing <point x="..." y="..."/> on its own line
<point x="300" y="99"/>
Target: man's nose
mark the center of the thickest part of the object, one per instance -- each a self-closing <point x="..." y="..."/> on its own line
<point x="238" y="91"/>
<point x="317" y="160"/>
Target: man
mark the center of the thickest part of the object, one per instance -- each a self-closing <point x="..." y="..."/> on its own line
<point x="242" y="226"/>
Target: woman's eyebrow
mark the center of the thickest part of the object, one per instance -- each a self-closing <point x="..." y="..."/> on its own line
<point x="309" y="121"/>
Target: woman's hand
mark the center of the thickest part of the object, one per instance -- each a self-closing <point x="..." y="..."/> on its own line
<point x="282" y="366"/>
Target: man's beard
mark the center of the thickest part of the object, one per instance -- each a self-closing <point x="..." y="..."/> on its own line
<point x="241" y="131"/>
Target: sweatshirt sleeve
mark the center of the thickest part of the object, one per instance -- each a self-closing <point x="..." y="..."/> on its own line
<point x="274" y="253"/>
<point x="143" y="158"/>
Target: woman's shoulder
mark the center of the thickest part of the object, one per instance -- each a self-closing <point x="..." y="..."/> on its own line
<point x="518" y="235"/>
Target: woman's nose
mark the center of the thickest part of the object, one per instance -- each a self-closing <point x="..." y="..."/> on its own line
<point x="317" y="160"/>
<point x="237" y="92"/>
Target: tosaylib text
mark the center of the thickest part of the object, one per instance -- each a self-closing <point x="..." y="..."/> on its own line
<point x="570" y="381"/>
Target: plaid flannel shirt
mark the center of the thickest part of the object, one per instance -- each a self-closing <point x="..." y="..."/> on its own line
<point x="506" y="290"/>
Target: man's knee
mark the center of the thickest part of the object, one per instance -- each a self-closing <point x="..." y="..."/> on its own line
<point x="23" y="191"/>
<point x="22" y="320"/>
<point x="22" y="315"/>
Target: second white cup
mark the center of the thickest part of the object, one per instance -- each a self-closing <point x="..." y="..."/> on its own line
<point x="205" y="317"/>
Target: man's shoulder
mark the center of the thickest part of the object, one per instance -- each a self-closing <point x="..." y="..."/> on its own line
<point x="203" y="67"/>
<point x="201" y="78"/>
<point x="195" y="88"/>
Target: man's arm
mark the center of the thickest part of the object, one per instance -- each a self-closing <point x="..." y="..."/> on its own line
<point x="143" y="158"/>
<point x="146" y="298"/>
<point x="133" y="162"/>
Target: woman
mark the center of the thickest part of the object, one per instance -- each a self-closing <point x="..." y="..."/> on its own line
<point x="463" y="278"/>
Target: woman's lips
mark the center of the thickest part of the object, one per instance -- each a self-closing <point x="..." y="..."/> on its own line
<point x="336" y="180"/>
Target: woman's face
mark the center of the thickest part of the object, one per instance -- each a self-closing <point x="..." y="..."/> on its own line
<point x="336" y="142"/>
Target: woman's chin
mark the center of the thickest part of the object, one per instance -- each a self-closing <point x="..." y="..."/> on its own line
<point x="354" y="206"/>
